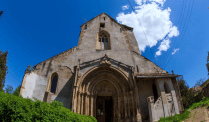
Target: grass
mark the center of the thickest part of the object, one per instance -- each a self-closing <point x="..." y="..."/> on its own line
<point x="194" y="116"/>
<point x="203" y="114"/>
<point x="185" y="115"/>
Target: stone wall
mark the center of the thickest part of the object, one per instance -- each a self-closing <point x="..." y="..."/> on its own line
<point x="145" y="90"/>
<point x="124" y="49"/>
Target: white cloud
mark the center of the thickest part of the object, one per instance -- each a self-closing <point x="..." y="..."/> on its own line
<point x="140" y="2"/>
<point x="125" y="7"/>
<point x="175" y="50"/>
<point x="164" y="46"/>
<point x="155" y="22"/>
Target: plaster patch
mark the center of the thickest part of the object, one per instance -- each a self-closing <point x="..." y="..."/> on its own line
<point x="29" y="85"/>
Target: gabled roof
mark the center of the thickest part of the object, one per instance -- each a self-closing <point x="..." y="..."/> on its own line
<point x="129" y="28"/>
<point x="84" y="64"/>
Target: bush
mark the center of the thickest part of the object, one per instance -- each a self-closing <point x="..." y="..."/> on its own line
<point x="16" y="109"/>
<point x="16" y="92"/>
<point x="187" y="94"/>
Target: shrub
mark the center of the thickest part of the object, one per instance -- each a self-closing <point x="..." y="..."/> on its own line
<point x="15" y="109"/>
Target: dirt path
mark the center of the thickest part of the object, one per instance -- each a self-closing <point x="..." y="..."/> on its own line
<point x="198" y="115"/>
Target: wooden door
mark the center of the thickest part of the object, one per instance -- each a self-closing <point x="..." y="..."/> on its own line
<point x="100" y="109"/>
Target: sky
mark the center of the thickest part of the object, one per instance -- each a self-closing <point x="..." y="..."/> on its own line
<point x="173" y="34"/>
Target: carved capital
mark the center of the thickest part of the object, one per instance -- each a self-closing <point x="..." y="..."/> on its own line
<point x="150" y="99"/>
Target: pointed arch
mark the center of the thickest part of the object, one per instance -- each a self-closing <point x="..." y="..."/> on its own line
<point x="52" y="83"/>
<point x="109" y="74"/>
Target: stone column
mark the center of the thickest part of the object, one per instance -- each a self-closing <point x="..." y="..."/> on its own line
<point x="128" y="102"/>
<point x="122" y="106"/>
<point x="138" y="111"/>
<point x="128" y="106"/>
<point x="47" y="97"/>
<point x="150" y="101"/>
<point x="92" y="105"/>
<point x="119" y="108"/>
<point x="82" y="103"/>
<point x="173" y="93"/>
<point x="125" y="104"/>
<point x="86" y="104"/>
<point x="79" y="103"/>
<point x="161" y="90"/>
<point x="114" y="108"/>
<point x="133" y="106"/>
<point x="75" y="99"/>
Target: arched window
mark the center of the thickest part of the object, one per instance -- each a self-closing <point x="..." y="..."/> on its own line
<point x="103" y="40"/>
<point x="54" y="80"/>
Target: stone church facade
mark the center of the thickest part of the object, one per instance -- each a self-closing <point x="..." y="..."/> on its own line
<point x="105" y="76"/>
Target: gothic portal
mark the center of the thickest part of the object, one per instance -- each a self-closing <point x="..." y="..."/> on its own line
<point x="105" y="76"/>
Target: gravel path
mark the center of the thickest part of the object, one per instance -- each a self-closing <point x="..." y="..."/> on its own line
<point x="198" y="115"/>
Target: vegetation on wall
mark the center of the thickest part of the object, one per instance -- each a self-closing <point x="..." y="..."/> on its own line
<point x="15" y="109"/>
<point x="30" y="68"/>
<point x="3" y="68"/>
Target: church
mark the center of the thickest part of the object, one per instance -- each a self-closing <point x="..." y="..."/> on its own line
<point x="105" y="76"/>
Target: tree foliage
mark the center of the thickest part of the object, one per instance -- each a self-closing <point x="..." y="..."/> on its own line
<point x="17" y="91"/>
<point x="186" y="93"/>
<point x="3" y="68"/>
<point x="199" y="82"/>
<point x="9" y="89"/>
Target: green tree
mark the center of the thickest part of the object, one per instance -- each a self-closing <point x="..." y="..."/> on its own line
<point x="207" y="64"/>
<point x="186" y="93"/>
<point x="3" y="68"/>
<point x="199" y="82"/>
<point x="17" y="91"/>
<point x="9" y="89"/>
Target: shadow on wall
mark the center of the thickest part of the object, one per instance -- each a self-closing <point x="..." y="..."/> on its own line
<point x="65" y="95"/>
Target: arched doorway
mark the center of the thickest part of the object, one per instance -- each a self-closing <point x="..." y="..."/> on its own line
<point x="104" y="107"/>
<point x="105" y="93"/>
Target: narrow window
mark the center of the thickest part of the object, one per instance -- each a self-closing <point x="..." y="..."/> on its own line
<point x="54" y="83"/>
<point x="85" y="27"/>
<point x="102" y="25"/>
<point x="104" y="18"/>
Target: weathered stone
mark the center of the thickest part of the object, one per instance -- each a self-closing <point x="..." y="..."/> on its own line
<point x="105" y="66"/>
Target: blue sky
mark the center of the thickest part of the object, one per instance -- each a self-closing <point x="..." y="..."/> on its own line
<point x="33" y="31"/>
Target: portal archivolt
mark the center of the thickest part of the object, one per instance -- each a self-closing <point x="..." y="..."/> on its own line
<point x="104" y="81"/>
